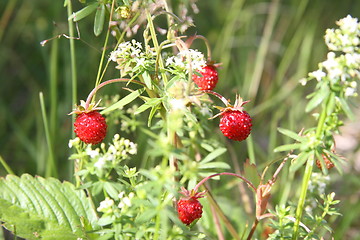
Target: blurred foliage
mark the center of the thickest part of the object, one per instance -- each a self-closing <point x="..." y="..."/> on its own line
<point x="263" y="57"/>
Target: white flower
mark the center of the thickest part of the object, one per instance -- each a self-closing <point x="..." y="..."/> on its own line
<point x="348" y="24"/>
<point x="177" y="104"/>
<point x="303" y="81"/>
<point x="349" y="91"/>
<point x="186" y="59"/>
<point x="92" y="153"/>
<point x="100" y="163"/>
<point x="72" y="142"/>
<point x="105" y="205"/>
<point x="318" y="74"/>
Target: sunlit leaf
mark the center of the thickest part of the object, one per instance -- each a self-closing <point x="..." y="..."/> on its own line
<point x="300" y="161"/>
<point x="38" y="208"/>
<point x="291" y="134"/>
<point x="84" y="12"/>
<point x="122" y="102"/>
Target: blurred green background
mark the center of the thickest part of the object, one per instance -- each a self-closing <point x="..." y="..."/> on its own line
<point x="265" y="47"/>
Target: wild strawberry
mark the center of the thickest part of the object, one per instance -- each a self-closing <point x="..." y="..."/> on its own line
<point x="90" y="126"/>
<point x="235" y="123"/>
<point x="189" y="208"/>
<point x="209" y="78"/>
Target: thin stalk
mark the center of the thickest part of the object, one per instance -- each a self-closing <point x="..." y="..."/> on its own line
<point x="50" y="168"/>
<point x="6" y="166"/>
<point x="224" y="173"/>
<point x="156" y="44"/>
<point x="93" y="92"/>
<point x="256" y="222"/>
<point x="72" y="58"/>
<point x="73" y="72"/>
<point x="304" y="187"/>
<point x="98" y="76"/>
<point x="221" y="214"/>
<point x="53" y="126"/>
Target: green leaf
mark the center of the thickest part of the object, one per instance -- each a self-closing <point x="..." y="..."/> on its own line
<point x="318" y="98"/>
<point x="299" y="161"/>
<point x="122" y="102"/>
<point x="147" y="80"/>
<point x="211" y="156"/>
<point x="99" y="20"/>
<point x="214" y="165"/>
<point x="86" y="11"/>
<point x="150" y="103"/>
<point x="287" y="147"/>
<point x="291" y="134"/>
<point x="250" y="172"/>
<point x="346" y="108"/>
<point x="35" y="207"/>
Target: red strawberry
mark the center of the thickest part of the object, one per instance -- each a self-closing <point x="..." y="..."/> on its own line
<point x="209" y="78"/>
<point x="90" y="127"/>
<point x="235" y="123"/>
<point x="189" y="208"/>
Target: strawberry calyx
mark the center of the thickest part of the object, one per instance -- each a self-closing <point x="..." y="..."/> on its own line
<point x="192" y="193"/>
<point x="82" y="108"/>
<point x="238" y="106"/>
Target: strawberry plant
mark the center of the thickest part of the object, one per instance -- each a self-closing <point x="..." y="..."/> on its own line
<point x="144" y="147"/>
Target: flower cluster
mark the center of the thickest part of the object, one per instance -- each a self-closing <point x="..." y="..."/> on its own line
<point x="118" y="151"/>
<point x="131" y="55"/>
<point x="346" y="37"/>
<point x="186" y="60"/>
<point x="341" y="68"/>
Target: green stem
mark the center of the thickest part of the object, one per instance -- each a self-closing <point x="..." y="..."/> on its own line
<point x="50" y="168"/>
<point x="304" y="187"/>
<point x="6" y="166"/>
<point x="72" y="58"/>
<point x="224" y="173"/>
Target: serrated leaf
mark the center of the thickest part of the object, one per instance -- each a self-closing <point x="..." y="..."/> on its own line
<point x="214" y="154"/>
<point x="290" y="134"/>
<point x="99" y="20"/>
<point x="287" y="147"/>
<point x="317" y="98"/>
<point x="84" y="12"/>
<point x="44" y="208"/>
<point x="299" y="161"/>
<point x="122" y="102"/>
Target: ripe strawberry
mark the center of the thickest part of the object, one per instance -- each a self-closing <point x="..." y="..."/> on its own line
<point x="90" y="127"/>
<point x="235" y="123"/>
<point x="189" y="208"/>
<point x="209" y="78"/>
